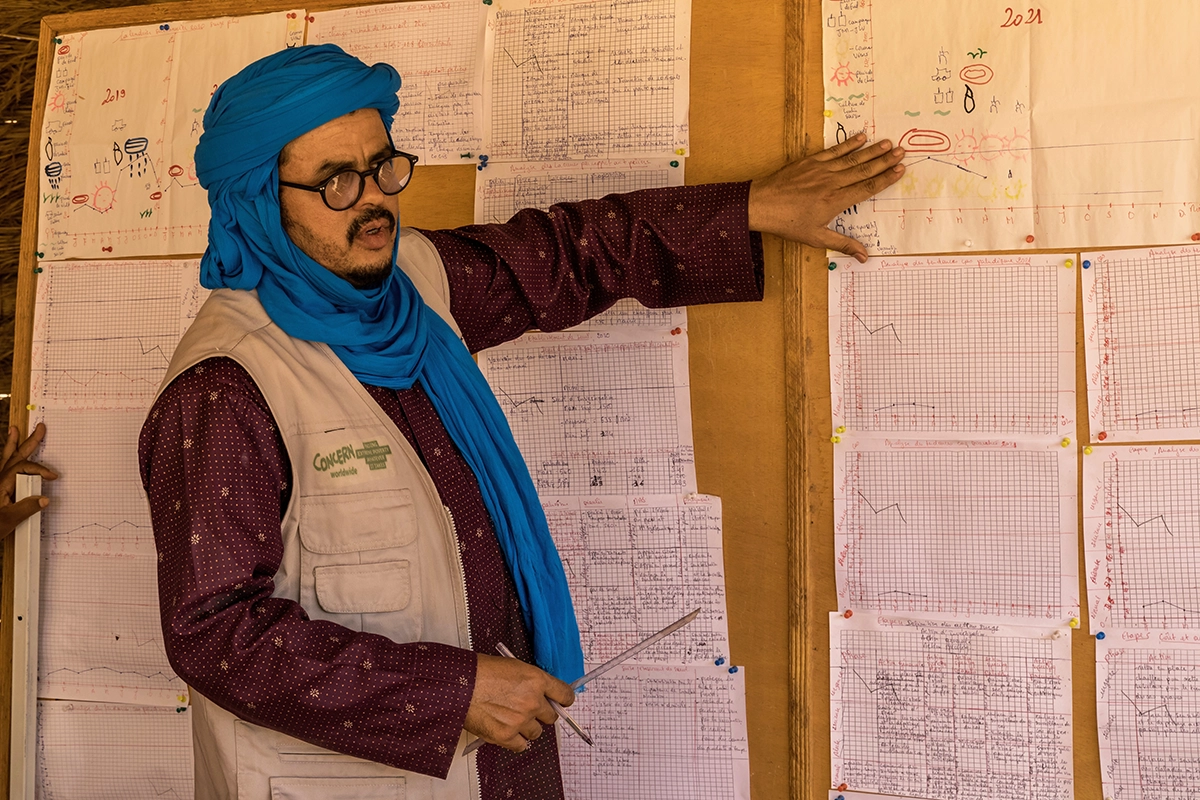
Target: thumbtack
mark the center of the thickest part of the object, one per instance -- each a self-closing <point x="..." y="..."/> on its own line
<point x="483" y="158"/>
<point x="1102" y="436"/>
<point x="841" y="797"/>
<point x="1087" y="264"/>
<point x="181" y="709"/>
<point x="835" y="439"/>
<point x="57" y="40"/>
<point x="847" y="614"/>
<point x="1068" y="263"/>
<point x="1087" y="451"/>
<point x="842" y="787"/>
<point x="681" y="151"/>
<point x="840" y="429"/>
<point x="674" y="163"/>
<point x="183" y="698"/>
<point x="720" y="661"/>
<point x="479" y="168"/>
<point x="466" y="155"/>
<point x="310" y="18"/>
<point x="164" y="27"/>
<point x="1058" y="634"/>
<point x="1066" y="442"/>
<point x="487" y="2"/>
<point x="31" y="407"/>
<point x="1074" y="623"/>
<point x="36" y="270"/>
<point x="732" y="670"/>
<point x="828" y="113"/>
<point x="40" y="255"/>
<point x="832" y="266"/>
<point x="1029" y="239"/>
<point x="968" y="243"/>
<point x="1196" y="237"/>
<point x="1100" y="635"/>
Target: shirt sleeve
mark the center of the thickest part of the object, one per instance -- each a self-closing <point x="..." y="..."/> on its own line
<point x="216" y="473"/>
<point x="685" y="245"/>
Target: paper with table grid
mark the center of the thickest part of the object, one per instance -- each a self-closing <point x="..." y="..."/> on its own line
<point x="1141" y="312"/>
<point x="966" y="528"/>
<point x="955" y="345"/>
<point x="949" y="708"/>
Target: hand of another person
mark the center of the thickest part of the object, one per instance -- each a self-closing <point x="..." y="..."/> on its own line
<point x="15" y="462"/>
<point x="509" y="705"/>
<point x="800" y="200"/>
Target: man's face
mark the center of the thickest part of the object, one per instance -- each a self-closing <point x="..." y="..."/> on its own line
<point x="355" y="244"/>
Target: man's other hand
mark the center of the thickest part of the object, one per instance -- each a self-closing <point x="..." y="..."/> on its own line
<point x="801" y="199"/>
<point x="15" y="461"/>
<point x="509" y="705"/>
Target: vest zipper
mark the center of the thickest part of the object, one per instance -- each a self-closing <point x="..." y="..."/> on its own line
<point x="472" y="775"/>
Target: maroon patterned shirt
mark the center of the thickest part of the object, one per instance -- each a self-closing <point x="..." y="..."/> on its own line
<point x="404" y="705"/>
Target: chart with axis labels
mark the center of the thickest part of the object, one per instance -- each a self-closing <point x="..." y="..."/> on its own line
<point x="956" y="345"/>
<point x="971" y="528"/>
<point x="1141" y="524"/>
<point x="661" y="730"/>
<point x="636" y="564"/>
<point x="950" y="709"/>
<point x="595" y="413"/>
<point x="1141" y="314"/>
<point x="1148" y="709"/>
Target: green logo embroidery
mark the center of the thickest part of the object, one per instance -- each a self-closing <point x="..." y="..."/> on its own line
<point x="337" y="463"/>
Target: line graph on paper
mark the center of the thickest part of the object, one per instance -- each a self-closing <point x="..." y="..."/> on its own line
<point x="969" y="532"/>
<point x="660" y="731"/>
<point x="587" y="80"/>
<point x="598" y="413"/>
<point x="503" y="196"/>
<point x="636" y="566"/>
<point x="972" y="348"/>
<point x="104" y="332"/>
<point x="1152" y="532"/>
<point x="923" y="709"/>
<point x="1144" y="357"/>
<point x="111" y="750"/>
<point x="1148" y="702"/>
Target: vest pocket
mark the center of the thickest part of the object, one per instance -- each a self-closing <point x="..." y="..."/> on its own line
<point x="363" y="588"/>
<point x="338" y="789"/>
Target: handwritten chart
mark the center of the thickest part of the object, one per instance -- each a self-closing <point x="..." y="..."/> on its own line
<point x="586" y="80"/>
<point x="1007" y="116"/>
<point x="955" y="345"/>
<point x="503" y="189"/>
<point x="660" y="731"/>
<point x="941" y="709"/>
<point x="636" y="564"/>
<point x="123" y="117"/>
<point x="1148" y="707"/>
<point x="1141" y="521"/>
<point x="1141" y="311"/>
<point x="107" y="750"/>
<point x="972" y="529"/>
<point x="436" y="48"/>
<point x="596" y="413"/>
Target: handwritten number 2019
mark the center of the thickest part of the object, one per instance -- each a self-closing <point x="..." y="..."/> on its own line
<point x="1032" y="17"/>
<point x="112" y="95"/>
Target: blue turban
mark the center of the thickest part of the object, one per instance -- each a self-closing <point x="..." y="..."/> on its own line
<point x="386" y="336"/>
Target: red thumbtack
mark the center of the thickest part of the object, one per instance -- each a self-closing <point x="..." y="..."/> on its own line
<point x="1196" y="237"/>
<point x="1029" y="238"/>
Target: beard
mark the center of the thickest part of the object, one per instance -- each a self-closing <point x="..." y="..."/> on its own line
<point x="361" y="276"/>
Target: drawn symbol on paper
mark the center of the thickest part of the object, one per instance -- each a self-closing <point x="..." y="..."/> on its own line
<point x="995" y="105"/>
<point x="978" y="74"/>
<point x="940" y="74"/>
<point x="158" y="195"/>
<point x="943" y="56"/>
<point x="842" y="74"/>
<point x="104" y="198"/>
<point x="118" y="154"/>
<point x="118" y="125"/>
<point x="1019" y="107"/>
<point x="54" y="173"/>
<point x="175" y="171"/>
<point x="66" y="48"/>
<point x="49" y="149"/>
<point x="968" y="99"/>
<point x="80" y="199"/>
<point x="57" y="102"/>
<point x="918" y="140"/>
<point x="980" y="53"/>
<point x="135" y="148"/>
<point x="841" y="134"/>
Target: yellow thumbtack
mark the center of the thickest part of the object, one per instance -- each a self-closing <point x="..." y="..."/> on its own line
<point x="828" y="112"/>
<point x="1066" y="442"/>
<point x="835" y="439"/>
<point x="1087" y="451"/>
<point x="841" y="429"/>
<point x="31" y="407"/>
<point x="1069" y="263"/>
<point x="681" y="151"/>
<point x="1074" y="623"/>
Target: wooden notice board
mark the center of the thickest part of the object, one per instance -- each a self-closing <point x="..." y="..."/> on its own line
<point x="748" y="363"/>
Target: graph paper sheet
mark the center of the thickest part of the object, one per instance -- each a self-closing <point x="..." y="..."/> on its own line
<point x="954" y="345"/>
<point x="629" y="313"/>
<point x="950" y="709"/>
<point x="503" y="189"/>
<point x="123" y="116"/>
<point x="598" y="413"/>
<point x="1141" y="312"/>
<point x="636" y="564"/>
<point x="436" y="48"/>
<point x="108" y="751"/>
<point x="970" y="529"/>
<point x="660" y="731"/>
<point x="1148" y="710"/>
<point x="1141" y="523"/>
<point x="585" y="80"/>
<point x="1054" y="124"/>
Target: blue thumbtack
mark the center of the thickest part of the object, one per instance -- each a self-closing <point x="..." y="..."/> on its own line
<point x="832" y="266"/>
<point x="720" y="661"/>
<point x="732" y="670"/>
<point x="164" y="27"/>
<point x="841" y="797"/>
<point x="1087" y="265"/>
<point x="1100" y="635"/>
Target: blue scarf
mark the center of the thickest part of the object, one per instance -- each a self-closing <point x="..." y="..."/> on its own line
<point x="386" y="336"/>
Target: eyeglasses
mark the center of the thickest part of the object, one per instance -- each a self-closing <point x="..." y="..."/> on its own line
<point x="345" y="188"/>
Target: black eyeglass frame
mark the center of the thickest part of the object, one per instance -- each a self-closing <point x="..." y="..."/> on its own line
<point x="372" y="173"/>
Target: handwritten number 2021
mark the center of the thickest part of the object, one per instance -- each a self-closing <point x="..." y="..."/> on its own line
<point x="1031" y="17"/>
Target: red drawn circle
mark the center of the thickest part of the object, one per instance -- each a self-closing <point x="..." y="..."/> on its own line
<point x="175" y="171"/>
<point x="156" y="196"/>
<point x="80" y="199"/>
<point x="978" y="74"/>
<point x="66" y="48"/>
<point x="918" y="140"/>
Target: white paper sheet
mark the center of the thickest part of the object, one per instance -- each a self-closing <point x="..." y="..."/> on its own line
<point x="950" y="709"/>
<point x="124" y="113"/>
<point x="503" y="189"/>
<point x="598" y="413"/>
<point x="636" y="564"/>
<point x="660" y="731"/>
<point x="964" y="528"/>
<point x="1141" y="522"/>
<point x="629" y="313"/>
<point x="1141" y="314"/>
<point x="436" y="48"/>
<point x="954" y="345"/>
<point x="1148" y="710"/>
<point x="100" y="750"/>
<point x="1055" y="125"/>
<point x="582" y="80"/>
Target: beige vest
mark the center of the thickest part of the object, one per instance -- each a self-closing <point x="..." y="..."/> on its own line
<point x="367" y="543"/>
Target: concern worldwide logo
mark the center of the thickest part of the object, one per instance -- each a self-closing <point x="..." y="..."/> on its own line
<point x="340" y="463"/>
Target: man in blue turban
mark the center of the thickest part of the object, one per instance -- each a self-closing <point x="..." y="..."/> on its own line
<point x="345" y="527"/>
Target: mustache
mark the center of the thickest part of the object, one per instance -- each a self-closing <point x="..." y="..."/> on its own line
<point x="366" y="218"/>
